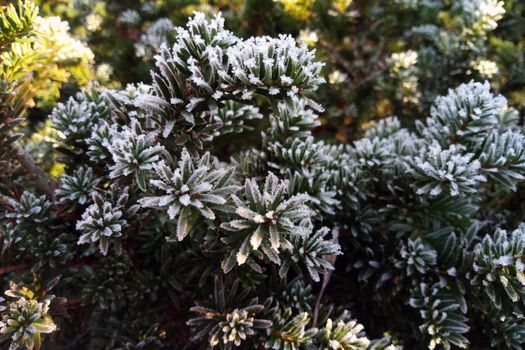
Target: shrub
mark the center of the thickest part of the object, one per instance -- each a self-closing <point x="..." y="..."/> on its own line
<point x="156" y="236"/>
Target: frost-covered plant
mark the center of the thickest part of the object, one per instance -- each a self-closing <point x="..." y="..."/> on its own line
<point x="99" y="142"/>
<point x="102" y="223"/>
<point x="25" y="319"/>
<point x="499" y="267"/>
<point x="30" y="210"/>
<point x="78" y="187"/>
<point x="416" y="256"/>
<point x="75" y="118"/>
<point x="226" y="327"/>
<point x="265" y="221"/>
<point x="195" y="190"/>
<point x="441" y="312"/>
<point x="465" y="115"/>
<point x="438" y="170"/>
<point x="345" y="335"/>
<point x="415" y="218"/>
<point x="134" y="153"/>
<point x="292" y="332"/>
<point x="312" y="250"/>
<point x="503" y="157"/>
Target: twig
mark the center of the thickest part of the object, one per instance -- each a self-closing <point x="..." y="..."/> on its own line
<point x="42" y="180"/>
<point x="13" y="268"/>
<point x="326" y="277"/>
<point x="6" y="201"/>
<point x="79" y="263"/>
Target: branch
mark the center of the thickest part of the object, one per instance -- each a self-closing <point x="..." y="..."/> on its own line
<point x="13" y="268"/>
<point x="42" y="180"/>
<point x="77" y="263"/>
<point x="6" y="201"/>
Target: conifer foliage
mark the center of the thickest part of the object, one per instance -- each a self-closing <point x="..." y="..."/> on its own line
<point x="152" y="238"/>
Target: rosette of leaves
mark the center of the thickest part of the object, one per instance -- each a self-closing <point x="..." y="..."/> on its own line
<point x="341" y="334"/>
<point x="134" y="153"/>
<point x="292" y="120"/>
<point x="298" y="295"/>
<point x="50" y="250"/>
<point x="75" y="118"/>
<point x="442" y="314"/>
<point x="99" y="142"/>
<point x="503" y="157"/>
<point x="233" y="116"/>
<point x="305" y="156"/>
<point x="438" y="171"/>
<point x="308" y="166"/>
<point x="313" y="251"/>
<point x="265" y="219"/>
<point x="224" y="322"/>
<point x="25" y="319"/>
<point x="499" y="269"/>
<point x="30" y="209"/>
<point x="196" y="189"/>
<point x="105" y="222"/>
<point x="321" y="195"/>
<point x="507" y="331"/>
<point x="466" y="115"/>
<point x="416" y="256"/>
<point x="289" y="331"/>
<point x="123" y="101"/>
<point x="77" y="188"/>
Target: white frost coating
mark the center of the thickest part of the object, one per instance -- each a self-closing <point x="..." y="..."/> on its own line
<point x="437" y="169"/>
